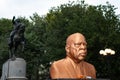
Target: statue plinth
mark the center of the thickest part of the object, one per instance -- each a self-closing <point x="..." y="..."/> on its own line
<point x="14" y="69"/>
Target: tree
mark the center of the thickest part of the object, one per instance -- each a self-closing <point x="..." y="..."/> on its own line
<point x="99" y="24"/>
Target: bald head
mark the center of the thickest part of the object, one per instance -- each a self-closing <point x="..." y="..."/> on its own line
<point x="73" y="36"/>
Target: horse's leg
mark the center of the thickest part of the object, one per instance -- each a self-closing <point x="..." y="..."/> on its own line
<point x="23" y="45"/>
<point x="10" y="49"/>
<point x="14" y="51"/>
<point x="10" y="53"/>
<point x="15" y="48"/>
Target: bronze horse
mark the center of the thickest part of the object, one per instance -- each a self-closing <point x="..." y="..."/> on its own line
<point x="17" y="40"/>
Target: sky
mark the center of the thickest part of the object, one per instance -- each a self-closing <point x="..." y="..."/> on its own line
<point x="26" y="8"/>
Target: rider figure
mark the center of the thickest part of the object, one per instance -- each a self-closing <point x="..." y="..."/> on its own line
<point x="17" y="25"/>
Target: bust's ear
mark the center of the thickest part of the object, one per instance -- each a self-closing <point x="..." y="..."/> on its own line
<point x="67" y="48"/>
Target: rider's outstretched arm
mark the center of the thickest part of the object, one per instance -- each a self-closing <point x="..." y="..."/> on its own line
<point x="13" y="20"/>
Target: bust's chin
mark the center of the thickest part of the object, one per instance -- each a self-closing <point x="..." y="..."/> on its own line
<point x="81" y="58"/>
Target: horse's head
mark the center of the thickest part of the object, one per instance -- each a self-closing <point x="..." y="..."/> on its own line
<point x="21" y="28"/>
<point x="19" y="33"/>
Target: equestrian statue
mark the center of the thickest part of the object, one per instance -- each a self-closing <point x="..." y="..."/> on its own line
<point x="17" y="38"/>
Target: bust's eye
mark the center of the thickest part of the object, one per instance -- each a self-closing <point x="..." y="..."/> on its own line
<point x="79" y="44"/>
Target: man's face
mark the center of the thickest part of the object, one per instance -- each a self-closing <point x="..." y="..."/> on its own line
<point x="78" y="48"/>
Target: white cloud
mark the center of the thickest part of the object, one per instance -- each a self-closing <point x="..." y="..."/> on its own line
<point x="26" y="8"/>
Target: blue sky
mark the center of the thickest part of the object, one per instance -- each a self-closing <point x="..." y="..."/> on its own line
<point x="26" y="8"/>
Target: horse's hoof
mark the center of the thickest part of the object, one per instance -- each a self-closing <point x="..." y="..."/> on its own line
<point x="13" y="58"/>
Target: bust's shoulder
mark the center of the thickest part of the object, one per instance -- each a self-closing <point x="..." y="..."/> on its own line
<point x="59" y="62"/>
<point x="62" y="62"/>
<point x="88" y="64"/>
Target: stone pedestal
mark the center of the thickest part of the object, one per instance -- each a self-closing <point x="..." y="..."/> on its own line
<point x="14" y="69"/>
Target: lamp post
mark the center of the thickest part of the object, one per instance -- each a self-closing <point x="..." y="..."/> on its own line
<point x="107" y="53"/>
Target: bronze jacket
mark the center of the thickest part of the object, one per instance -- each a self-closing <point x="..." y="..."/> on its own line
<point x="67" y="68"/>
